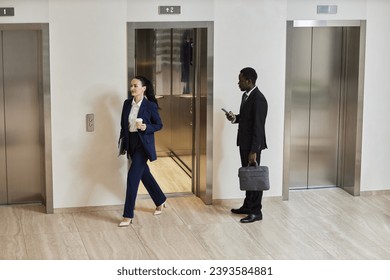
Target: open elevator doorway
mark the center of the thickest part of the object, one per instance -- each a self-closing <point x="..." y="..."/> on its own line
<point x="177" y="58"/>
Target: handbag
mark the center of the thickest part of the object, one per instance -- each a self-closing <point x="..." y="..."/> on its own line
<point x="254" y="178"/>
<point x="121" y="147"/>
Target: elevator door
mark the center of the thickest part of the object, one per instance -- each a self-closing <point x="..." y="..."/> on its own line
<point x="21" y="166"/>
<point x="322" y="104"/>
<point x="315" y="107"/>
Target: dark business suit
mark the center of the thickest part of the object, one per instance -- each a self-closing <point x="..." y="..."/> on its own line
<point x="140" y="147"/>
<point x="251" y="138"/>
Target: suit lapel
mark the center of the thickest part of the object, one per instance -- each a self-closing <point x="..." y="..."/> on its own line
<point x="243" y="100"/>
<point x="249" y="99"/>
<point x="128" y="108"/>
<point x="142" y="108"/>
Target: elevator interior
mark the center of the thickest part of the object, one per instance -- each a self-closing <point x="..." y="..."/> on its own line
<point x="177" y="58"/>
<point x="24" y="172"/>
<point x="323" y="113"/>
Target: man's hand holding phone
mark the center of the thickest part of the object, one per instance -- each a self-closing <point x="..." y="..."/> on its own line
<point x="229" y="115"/>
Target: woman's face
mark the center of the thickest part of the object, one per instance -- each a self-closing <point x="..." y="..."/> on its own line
<point x="136" y="89"/>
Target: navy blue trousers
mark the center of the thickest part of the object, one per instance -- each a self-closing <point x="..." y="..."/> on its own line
<point x="139" y="171"/>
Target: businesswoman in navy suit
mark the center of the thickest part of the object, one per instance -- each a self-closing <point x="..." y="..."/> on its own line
<point x="140" y="144"/>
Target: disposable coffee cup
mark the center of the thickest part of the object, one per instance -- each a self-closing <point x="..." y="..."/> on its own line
<point x="138" y="122"/>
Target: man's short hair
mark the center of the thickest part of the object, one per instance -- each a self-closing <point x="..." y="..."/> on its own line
<point x="249" y="74"/>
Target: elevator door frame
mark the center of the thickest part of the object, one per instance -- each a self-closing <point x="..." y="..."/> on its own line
<point x="45" y="96"/>
<point x="354" y="187"/>
<point x="202" y="173"/>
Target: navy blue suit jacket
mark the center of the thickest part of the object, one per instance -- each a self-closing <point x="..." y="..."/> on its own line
<point x="150" y="116"/>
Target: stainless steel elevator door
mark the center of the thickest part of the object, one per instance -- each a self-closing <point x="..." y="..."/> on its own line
<point x="21" y="130"/>
<point x="315" y="106"/>
<point x="323" y="105"/>
<point x="300" y="106"/>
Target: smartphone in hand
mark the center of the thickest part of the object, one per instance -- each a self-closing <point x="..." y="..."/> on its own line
<point x="229" y="115"/>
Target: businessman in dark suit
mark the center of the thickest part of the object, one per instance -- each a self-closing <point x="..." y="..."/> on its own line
<point x="251" y="138"/>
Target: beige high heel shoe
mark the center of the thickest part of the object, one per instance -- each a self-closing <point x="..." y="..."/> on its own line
<point x="159" y="209"/>
<point x="125" y="222"/>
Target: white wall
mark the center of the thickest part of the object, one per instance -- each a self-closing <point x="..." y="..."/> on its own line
<point x="196" y="10"/>
<point x="88" y="75"/>
<point x="26" y="11"/>
<point x="376" y="128"/>
<point x="248" y="33"/>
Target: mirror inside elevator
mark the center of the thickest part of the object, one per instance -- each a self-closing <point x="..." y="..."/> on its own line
<point x="175" y="58"/>
<point x="323" y="113"/>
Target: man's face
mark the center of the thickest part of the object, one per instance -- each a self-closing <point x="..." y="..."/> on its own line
<point x="243" y="83"/>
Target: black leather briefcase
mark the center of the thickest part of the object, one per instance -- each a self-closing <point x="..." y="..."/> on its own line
<point x="254" y="178"/>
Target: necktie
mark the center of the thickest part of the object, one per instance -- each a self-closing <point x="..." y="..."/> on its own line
<point x="244" y="98"/>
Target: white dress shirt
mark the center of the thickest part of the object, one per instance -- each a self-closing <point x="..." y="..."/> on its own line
<point x="133" y="115"/>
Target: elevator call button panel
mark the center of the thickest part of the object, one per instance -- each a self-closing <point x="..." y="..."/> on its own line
<point x="90" y="119"/>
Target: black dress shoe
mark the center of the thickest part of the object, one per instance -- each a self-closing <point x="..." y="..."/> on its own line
<point x="252" y="218"/>
<point x="240" y="211"/>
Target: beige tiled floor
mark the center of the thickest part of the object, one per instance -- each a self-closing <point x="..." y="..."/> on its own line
<point x="314" y="224"/>
<point x="169" y="176"/>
